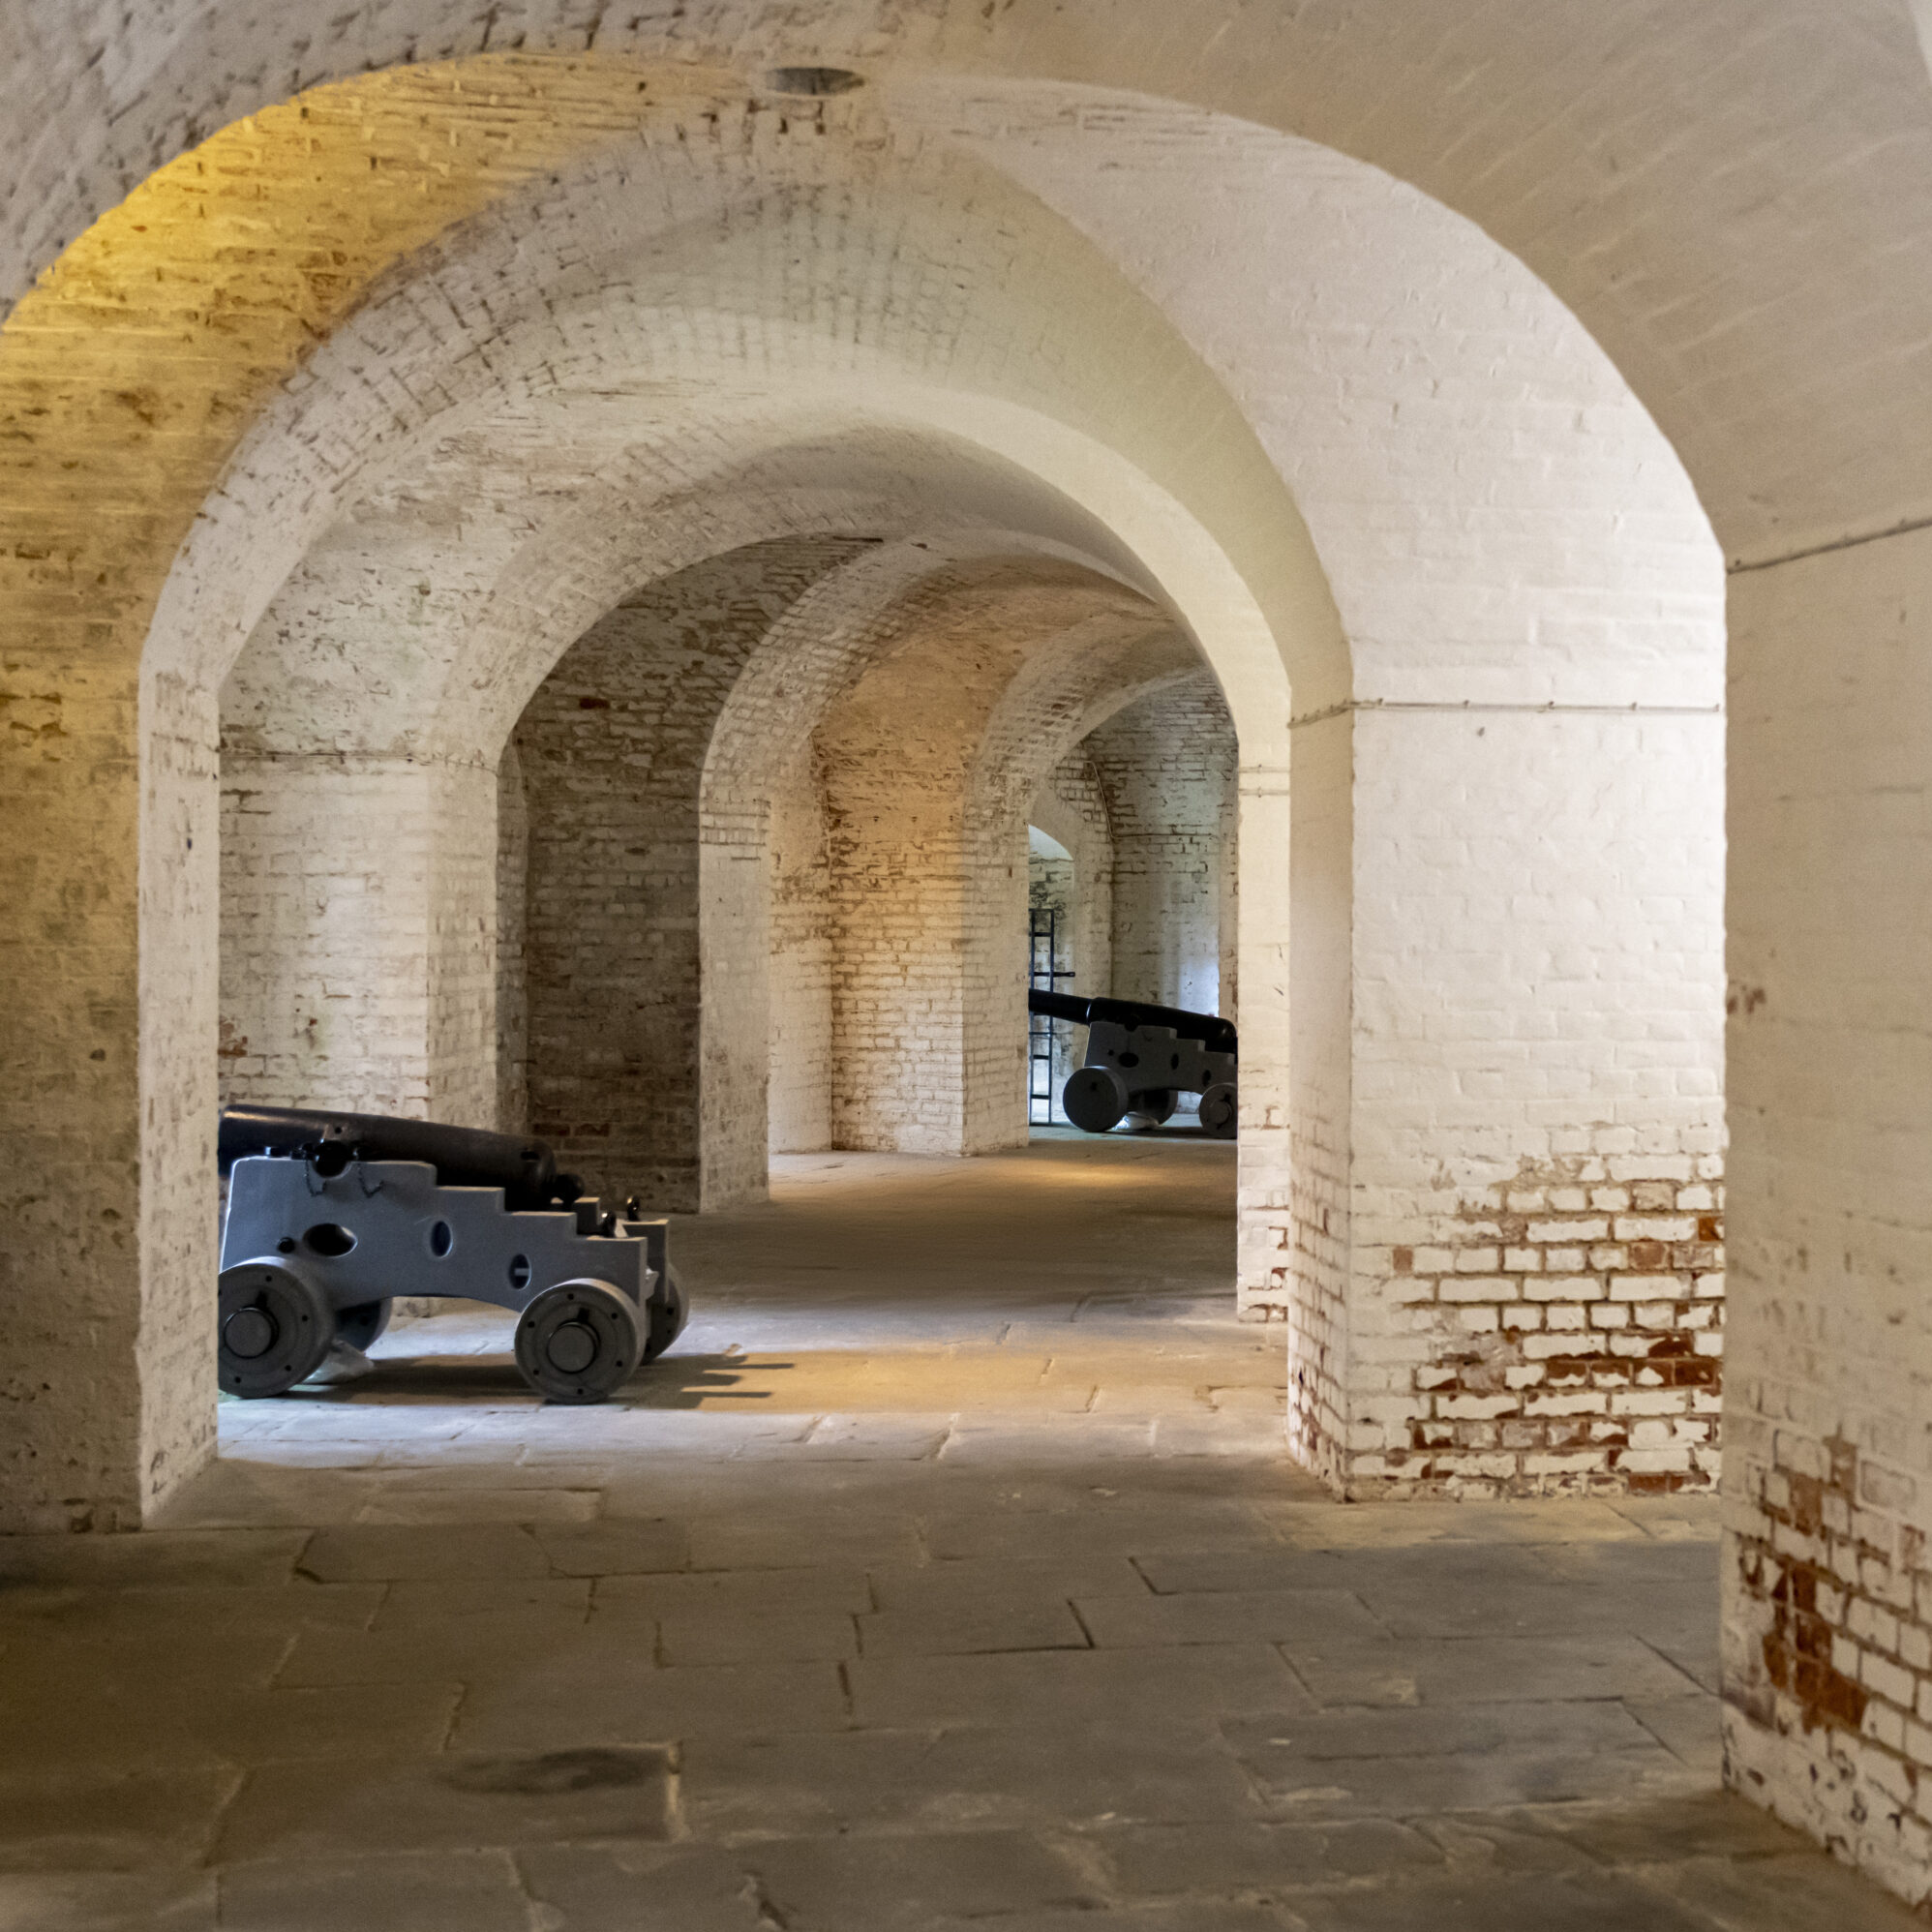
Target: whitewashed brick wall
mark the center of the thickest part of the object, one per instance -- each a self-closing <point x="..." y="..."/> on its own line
<point x="1052" y="908"/>
<point x="612" y="751"/>
<point x="896" y="754"/>
<point x="1537" y="1097"/>
<point x="802" y="961"/>
<point x="512" y="915"/>
<point x="931" y="762"/>
<point x="1071" y="808"/>
<point x="1295" y="1155"/>
<point x="1168" y="763"/>
<point x="358" y="935"/>
<point x="1828" y="1609"/>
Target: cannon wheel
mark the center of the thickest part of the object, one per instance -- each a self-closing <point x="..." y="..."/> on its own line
<point x="359" y="1326"/>
<point x="1094" y="1098"/>
<point x="666" y="1319"/>
<point x="275" y="1328"/>
<point x="578" y="1342"/>
<point x="1152" y="1109"/>
<point x="1219" y="1114"/>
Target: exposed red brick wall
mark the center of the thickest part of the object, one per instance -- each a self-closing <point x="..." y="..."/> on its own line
<point x="1577" y="1316"/>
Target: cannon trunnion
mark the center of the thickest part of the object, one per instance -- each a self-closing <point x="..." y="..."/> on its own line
<point x="1141" y="1059"/>
<point x="322" y="1235"/>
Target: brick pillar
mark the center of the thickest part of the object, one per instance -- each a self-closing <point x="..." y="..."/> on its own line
<point x="1828" y="1605"/>
<point x="1169" y="764"/>
<point x="1502" y="1260"/>
<point x="901" y="912"/>
<point x="799" y="963"/>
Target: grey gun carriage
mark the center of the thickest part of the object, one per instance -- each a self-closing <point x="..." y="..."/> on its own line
<point x="331" y="1216"/>
<point x="1141" y="1059"/>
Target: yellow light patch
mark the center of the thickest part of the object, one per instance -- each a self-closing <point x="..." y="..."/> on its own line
<point x="132" y="369"/>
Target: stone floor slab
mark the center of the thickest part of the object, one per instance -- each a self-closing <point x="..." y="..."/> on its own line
<point x="473" y="1650"/>
<point x="470" y="1506"/>
<point x="394" y="1552"/>
<point x="1002" y="1444"/>
<point x="438" y="1606"/>
<point x="1687" y="1726"/>
<point x="1075" y="1686"/>
<point x="1565" y="1753"/>
<point x="442" y="1892"/>
<point x="1232" y="1616"/>
<point x="1711" y="1822"/>
<point x="992" y="1530"/>
<point x="834" y="1589"/>
<point x="729" y="1633"/>
<point x="108" y="1902"/>
<point x="1064" y="1776"/>
<point x="992" y="1584"/>
<point x="1795" y="1892"/>
<point x="452" y="1801"/>
<point x="72" y="1615"/>
<point x="643" y="1888"/>
<point x="1226" y="1857"/>
<point x="616" y="1549"/>
<point x="879" y="1436"/>
<point x="1543" y="1903"/>
<point x="100" y="1668"/>
<point x="156" y="1724"/>
<point x="1316" y="1525"/>
<point x="973" y="1628"/>
<point x="1195" y="1915"/>
<point x="755" y="1541"/>
<point x="1487" y="1670"/>
<point x="556" y="1707"/>
<point x="1673" y="1519"/>
<point x="238" y="1559"/>
<point x="1461" y="1591"/>
<point x="904" y="1884"/>
<point x="114" y="1821"/>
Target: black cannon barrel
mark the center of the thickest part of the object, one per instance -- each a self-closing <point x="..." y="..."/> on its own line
<point x="463" y="1157"/>
<point x="1216" y="1034"/>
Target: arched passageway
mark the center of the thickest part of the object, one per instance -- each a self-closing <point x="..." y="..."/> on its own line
<point x="762" y="810"/>
<point x="319" y="502"/>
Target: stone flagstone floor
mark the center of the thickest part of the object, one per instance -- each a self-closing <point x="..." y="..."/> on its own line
<point x="949" y="1573"/>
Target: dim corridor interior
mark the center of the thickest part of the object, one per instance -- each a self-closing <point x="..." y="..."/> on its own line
<point x="948" y="1571"/>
